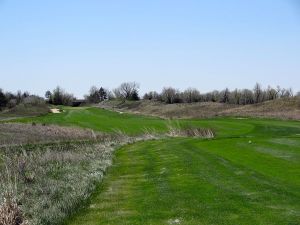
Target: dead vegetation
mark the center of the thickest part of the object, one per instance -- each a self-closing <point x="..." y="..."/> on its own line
<point x="17" y="133"/>
<point x="24" y="110"/>
<point x="48" y="182"/>
<point x="189" y="131"/>
<point x="10" y="212"/>
<point x="284" y="108"/>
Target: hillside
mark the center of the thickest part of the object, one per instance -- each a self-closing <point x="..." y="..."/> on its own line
<point x="279" y="108"/>
<point x="24" y="110"/>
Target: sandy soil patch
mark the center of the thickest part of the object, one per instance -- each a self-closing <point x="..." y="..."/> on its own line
<point x="55" y="111"/>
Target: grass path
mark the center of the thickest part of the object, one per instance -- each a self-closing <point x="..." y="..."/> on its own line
<point x="190" y="181"/>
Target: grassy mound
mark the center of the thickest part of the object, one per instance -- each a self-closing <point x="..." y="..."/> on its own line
<point x="24" y="110"/>
<point x="279" y="108"/>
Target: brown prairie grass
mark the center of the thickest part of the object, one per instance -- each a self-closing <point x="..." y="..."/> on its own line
<point x="53" y="180"/>
<point x="10" y="212"/>
<point x="190" y="131"/>
<point x="17" y="133"/>
<point x="285" y="108"/>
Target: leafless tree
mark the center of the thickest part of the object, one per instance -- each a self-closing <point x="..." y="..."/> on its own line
<point x="236" y="96"/>
<point x="258" y="93"/>
<point x="271" y="93"/>
<point x="127" y="90"/>
<point x="169" y="95"/>
<point x="247" y="97"/>
<point x="152" y="95"/>
<point x="224" y="96"/>
<point x="191" y="95"/>
<point x="215" y="95"/>
<point x="286" y="93"/>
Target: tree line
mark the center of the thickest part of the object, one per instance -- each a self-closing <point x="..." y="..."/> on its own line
<point x="126" y="91"/>
<point x="10" y="100"/>
<point x="169" y="95"/>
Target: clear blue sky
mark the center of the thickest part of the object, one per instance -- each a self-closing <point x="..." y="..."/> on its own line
<point x="188" y="43"/>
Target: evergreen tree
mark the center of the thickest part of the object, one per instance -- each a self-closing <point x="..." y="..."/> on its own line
<point x="3" y="99"/>
<point x="102" y="94"/>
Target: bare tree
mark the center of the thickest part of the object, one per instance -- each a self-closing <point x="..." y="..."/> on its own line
<point x="110" y="95"/>
<point x="127" y="91"/>
<point x="152" y="95"/>
<point x="224" y="96"/>
<point x="236" y="96"/>
<point x="286" y="93"/>
<point x="215" y="96"/>
<point x="271" y="93"/>
<point x="258" y="93"/>
<point x="247" y="97"/>
<point x="191" y="95"/>
<point x="169" y="95"/>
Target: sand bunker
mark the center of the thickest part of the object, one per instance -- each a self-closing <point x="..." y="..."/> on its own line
<point x="55" y="110"/>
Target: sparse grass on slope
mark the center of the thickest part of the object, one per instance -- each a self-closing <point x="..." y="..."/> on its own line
<point x="24" y="110"/>
<point x="285" y="108"/>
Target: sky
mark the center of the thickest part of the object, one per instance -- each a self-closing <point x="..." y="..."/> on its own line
<point x="189" y="43"/>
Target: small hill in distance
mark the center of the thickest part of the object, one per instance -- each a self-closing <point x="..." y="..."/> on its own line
<point x="283" y="108"/>
<point x="24" y="110"/>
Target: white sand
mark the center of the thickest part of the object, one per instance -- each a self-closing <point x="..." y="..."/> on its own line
<point x="55" y="110"/>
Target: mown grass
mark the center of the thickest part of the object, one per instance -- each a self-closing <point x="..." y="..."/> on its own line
<point x="108" y="121"/>
<point x="100" y="120"/>
<point x="190" y="181"/>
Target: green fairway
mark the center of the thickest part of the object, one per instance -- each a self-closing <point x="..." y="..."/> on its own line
<point x="248" y="174"/>
<point x="108" y="121"/>
<point x="100" y="120"/>
<point x="200" y="182"/>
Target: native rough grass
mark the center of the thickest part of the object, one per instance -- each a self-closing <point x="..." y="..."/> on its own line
<point x="18" y="133"/>
<point x="53" y="180"/>
<point x="288" y="108"/>
<point x="53" y="170"/>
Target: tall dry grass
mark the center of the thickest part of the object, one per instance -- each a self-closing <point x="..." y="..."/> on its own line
<point x="53" y="180"/>
<point x="18" y="133"/>
<point x="10" y="211"/>
<point x="177" y="130"/>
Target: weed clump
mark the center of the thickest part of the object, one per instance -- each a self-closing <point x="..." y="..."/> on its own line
<point x="190" y="131"/>
<point x="10" y="212"/>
